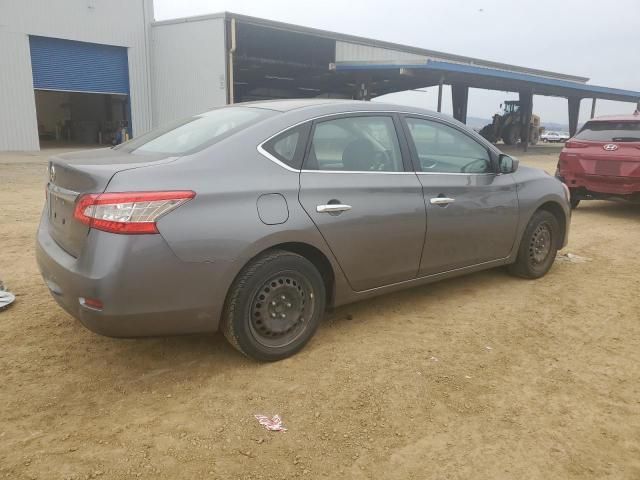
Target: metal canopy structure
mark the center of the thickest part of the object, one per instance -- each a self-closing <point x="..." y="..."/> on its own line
<point x="376" y="78"/>
<point x="490" y="79"/>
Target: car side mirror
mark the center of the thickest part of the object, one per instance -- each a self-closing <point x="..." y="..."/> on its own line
<point x="507" y="164"/>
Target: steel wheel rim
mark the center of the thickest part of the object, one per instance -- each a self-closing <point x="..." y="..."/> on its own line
<point x="281" y="309"/>
<point x="540" y="244"/>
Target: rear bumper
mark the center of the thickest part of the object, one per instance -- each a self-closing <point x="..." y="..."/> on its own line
<point x="600" y="184"/>
<point x="146" y="290"/>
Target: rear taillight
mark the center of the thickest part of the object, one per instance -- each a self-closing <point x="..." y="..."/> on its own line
<point x="574" y="144"/>
<point x="129" y="212"/>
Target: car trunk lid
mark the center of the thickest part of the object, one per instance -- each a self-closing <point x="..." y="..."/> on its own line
<point x="73" y="174"/>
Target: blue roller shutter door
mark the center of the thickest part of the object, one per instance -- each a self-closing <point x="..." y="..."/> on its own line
<point x="67" y="65"/>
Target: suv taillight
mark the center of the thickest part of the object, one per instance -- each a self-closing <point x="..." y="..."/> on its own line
<point x="129" y="212"/>
<point x="574" y="144"/>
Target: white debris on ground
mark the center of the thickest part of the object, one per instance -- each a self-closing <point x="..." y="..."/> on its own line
<point x="273" y="424"/>
<point x="571" y="258"/>
<point x="6" y="298"/>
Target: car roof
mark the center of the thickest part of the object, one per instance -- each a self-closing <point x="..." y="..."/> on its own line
<point x="329" y="105"/>
<point x="289" y="104"/>
<point x="617" y="118"/>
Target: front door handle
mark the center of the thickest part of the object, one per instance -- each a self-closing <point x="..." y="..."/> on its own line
<point x="442" y="201"/>
<point x="332" y="208"/>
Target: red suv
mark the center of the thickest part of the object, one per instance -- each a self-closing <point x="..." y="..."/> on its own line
<point x="603" y="160"/>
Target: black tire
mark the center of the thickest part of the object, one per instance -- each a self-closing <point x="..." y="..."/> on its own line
<point x="510" y="135"/>
<point x="271" y="287"/>
<point x="538" y="246"/>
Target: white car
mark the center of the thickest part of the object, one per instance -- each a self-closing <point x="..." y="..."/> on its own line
<point x="554" y="137"/>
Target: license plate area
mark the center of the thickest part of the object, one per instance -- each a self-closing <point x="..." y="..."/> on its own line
<point x="61" y="203"/>
<point x="608" y="168"/>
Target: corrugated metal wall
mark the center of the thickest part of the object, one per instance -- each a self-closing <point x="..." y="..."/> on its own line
<point x="112" y="22"/>
<point x="189" y="68"/>
<point x="18" y="123"/>
<point x="354" y="52"/>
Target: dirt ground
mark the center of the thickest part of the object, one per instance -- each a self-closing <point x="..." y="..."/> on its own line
<point x="483" y="377"/>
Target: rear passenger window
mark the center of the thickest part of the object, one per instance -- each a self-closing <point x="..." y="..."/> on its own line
<point x="288" y="147"/>
<point x="355" y="144"/>
<point x="610" y="131"/>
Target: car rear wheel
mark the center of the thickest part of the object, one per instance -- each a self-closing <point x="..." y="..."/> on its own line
<point x="274" y="306"/>
<point x="538" y="247"/>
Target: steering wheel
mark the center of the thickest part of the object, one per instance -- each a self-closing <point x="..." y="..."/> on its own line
<point x="479" y="162"/>
<point x="382" y="161"/>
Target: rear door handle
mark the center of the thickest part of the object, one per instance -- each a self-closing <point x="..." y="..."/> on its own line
<point x="332" y="208"/>
<point x="442" y="201"/>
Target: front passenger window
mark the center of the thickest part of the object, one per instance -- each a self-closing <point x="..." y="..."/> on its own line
<point x="443" y="149"/>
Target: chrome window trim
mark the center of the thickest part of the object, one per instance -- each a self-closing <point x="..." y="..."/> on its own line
<point x="264" y="153"/>
<point x="455" y="173"/>
<point x="357" y="171"/>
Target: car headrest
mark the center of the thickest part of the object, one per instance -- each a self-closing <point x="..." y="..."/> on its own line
<point x="358" y="156"/>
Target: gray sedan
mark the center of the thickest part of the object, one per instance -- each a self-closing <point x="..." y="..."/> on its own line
<point x="253" y="219"/>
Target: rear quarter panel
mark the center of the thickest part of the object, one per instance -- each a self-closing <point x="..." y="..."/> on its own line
<point x="221" y="225"/>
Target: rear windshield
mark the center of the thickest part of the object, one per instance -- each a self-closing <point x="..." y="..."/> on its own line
<point x="195" y="133"/>
<point x="610" y="132"/>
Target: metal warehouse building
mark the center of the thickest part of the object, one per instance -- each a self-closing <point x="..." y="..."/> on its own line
<point x="77" y="71"/>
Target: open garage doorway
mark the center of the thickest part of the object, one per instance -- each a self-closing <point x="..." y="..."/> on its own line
<point x="81" y="118"/>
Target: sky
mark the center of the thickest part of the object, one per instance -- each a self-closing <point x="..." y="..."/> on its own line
<point x="590" y="38"/>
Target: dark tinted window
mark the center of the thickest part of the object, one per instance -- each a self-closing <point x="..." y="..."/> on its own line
<point x="195" y="133"/>
<point x="288" y="147"/>
<point x="355" y="144"/>
<point x="610" y="132"/>
<point x="443" y="149"/>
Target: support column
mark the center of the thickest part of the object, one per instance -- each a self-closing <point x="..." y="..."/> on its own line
<point x="460" y="100"/>
<point x="440" y="93"/>
<point x="526" y="110"/>
<point x="593" y="108"/>
<point x="363" y="88"/>
<point x="574" y="112"/>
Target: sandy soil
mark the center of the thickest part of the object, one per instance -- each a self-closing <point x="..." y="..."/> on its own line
<point x="482" y="377"/>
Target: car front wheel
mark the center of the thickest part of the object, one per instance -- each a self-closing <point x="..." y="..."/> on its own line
<point x="538" y="247"/>
<point x="274" y="306"/>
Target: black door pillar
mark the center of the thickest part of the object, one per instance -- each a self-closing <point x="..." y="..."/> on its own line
<point x="574" y="112"/>
<point x="460" y="99"/>
<point x="440" y="93"/>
